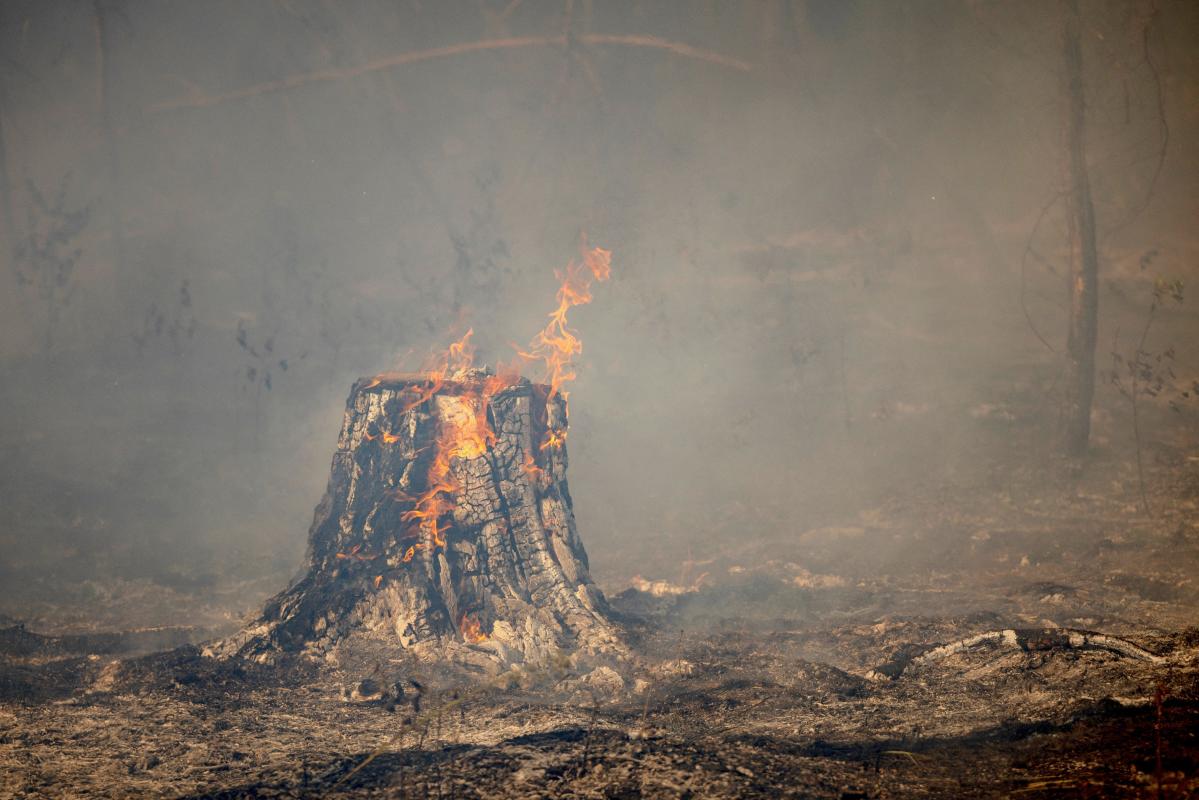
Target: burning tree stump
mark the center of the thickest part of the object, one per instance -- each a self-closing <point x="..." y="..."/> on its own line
<point x="446" y="531"/>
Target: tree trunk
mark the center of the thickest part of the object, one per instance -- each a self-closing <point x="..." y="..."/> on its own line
<point x="6" y="213"/>
<point x="14" y="304"/>
<point x="1084" y="256"/>
<point x="428" y="548"/>
<point x="103" y="35"/>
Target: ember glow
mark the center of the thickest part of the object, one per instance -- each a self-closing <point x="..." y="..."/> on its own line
<point x="471" y="630"/>
<point x="531" y="469"/>
<point x="553" y="439"/>
<point x="462" y="433"/>
<point x="353" y="554"/>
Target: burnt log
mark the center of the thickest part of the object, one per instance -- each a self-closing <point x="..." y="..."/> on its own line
<point x="446" y="533"/>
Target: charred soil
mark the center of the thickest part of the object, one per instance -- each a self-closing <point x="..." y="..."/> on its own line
<point x="806" y="665"/>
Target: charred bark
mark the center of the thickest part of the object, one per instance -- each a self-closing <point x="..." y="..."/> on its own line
<point x="1027" y="639"/>
<point x="497" y="575"/>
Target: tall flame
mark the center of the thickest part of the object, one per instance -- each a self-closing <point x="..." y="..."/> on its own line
<point x="463" y="430"/>
<point x="557" y="344"/>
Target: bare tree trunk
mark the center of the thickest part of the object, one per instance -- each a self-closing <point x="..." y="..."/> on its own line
<point x="6" y="215"/>
<point x="103" y="34"/>
<point x="1084" y="256"/>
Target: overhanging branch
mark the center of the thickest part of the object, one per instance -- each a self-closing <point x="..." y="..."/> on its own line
<point x="512" y="43"/>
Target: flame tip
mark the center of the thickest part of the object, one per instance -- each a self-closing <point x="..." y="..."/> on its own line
<point x="463" y="428"/>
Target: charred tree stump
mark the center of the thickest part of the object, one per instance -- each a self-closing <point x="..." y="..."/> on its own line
<point x="446" y="532"/>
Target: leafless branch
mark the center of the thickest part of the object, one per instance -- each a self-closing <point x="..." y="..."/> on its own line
<point x="1032" y="235"/>
<point x="401" y="59"/>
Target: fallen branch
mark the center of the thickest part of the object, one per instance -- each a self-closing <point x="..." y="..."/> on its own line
<point x="1027" y="639"/>
<point x="562" y="41"/>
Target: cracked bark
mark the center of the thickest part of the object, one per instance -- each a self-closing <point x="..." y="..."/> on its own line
<point x="512" y="563"/>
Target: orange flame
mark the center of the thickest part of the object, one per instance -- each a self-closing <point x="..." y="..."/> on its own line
<point x="471" y="630"/>
<point x="557" y="344"/>
<point x="553" y="439"/>
<point x="353" y="553"/>
<point x="463" y="431"/>
<point x="531" y="469"/>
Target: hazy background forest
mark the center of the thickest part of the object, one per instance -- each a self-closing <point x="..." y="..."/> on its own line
<point x="832" y="232"/>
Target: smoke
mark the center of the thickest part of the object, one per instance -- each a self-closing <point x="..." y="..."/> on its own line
<point x="219" y="215"/>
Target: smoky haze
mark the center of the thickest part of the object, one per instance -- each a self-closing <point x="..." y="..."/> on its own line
<point x="218" y="215"/>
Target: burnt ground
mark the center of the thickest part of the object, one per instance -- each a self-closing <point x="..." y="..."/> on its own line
<point x="751" y="680"/>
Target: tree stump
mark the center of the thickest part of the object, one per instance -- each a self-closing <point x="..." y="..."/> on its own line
<point x="446" y="532"/>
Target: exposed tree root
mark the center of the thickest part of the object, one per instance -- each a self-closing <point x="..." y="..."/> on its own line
<point x="1027" y="639"/>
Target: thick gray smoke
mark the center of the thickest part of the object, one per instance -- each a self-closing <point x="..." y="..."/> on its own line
<point x="218" y="215"/>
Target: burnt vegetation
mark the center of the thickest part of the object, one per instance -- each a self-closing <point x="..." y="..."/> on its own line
<point x="883" y="449"/>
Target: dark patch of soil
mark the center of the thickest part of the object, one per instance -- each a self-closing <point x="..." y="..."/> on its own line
<point x="752" y="682"/>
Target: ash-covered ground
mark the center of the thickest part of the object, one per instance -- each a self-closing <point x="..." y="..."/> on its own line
<point x="752" y="676"/>
<point x="816" y="431"/>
